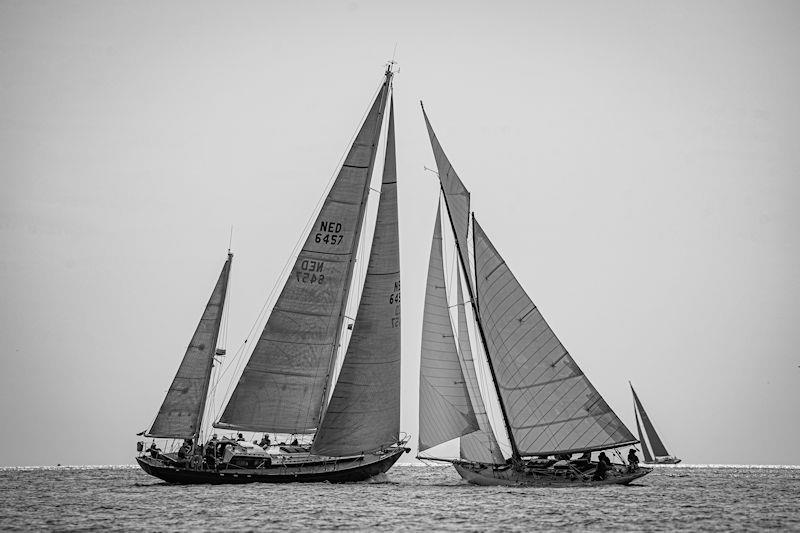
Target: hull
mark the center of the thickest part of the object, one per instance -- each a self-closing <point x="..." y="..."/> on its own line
<point x="333" y="471"/>
<point x="663" y="461"/>
<point x="491" y="475"/>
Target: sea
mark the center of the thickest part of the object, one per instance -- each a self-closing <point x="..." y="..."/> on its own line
<point x="408" y="497"/>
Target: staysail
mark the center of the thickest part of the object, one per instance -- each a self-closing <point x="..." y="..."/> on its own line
<point x="282" y="388"/>
<point x="445" y="410"/>
<point x="455" y="194"/>
<point x="480" y="445"/>
<point x="552" y="407"/>
<point x="364" y="411"/>
<point x="645" y="450"/>
<point x="181" y="413"/>
<point x="659" y="450"/>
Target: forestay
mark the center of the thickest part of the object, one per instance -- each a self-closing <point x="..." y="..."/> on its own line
<point x="282" y="387"/>
<point x="480" y="445"/>
<point x="552" y="407"/>
<point x="181" y="413"/>
<point x="445" y="410"/>
<point x="364" y="411"/>
<point x="456" y="195"/>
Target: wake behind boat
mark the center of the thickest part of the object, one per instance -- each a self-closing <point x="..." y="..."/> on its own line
<point x="549" y="409"/>
<point x="659" y="455"/>
<point x="288" y="385"/>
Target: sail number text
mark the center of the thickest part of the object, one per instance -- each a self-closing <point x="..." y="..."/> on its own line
<point x="310" y="271"/>
<point x="329" y="233"/>
<point x="394" y="299"/>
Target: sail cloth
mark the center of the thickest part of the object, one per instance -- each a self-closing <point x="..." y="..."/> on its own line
<point x="181" y="413"/>
<point x="659" y="450"/>
<point x="282" y="387"/>
<point x="647" y="457"/>
<point x="455" y="194"/>
<point x="445" y="410"/>
<point x="551" y="406"/>
<point x="481" y="445"/>
<point x="364" y="411"/>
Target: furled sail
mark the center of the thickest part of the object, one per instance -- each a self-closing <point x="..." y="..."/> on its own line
<point x="282" y="387"/>
<point x="645" y="450"/>
<point x="182" y="411"/>
<point x="659" y="450"/>
<point x="455" y="194"/>
<point x="445" y="410"/>
<point x="364" y="411"/>
<point x="480" y="445"/>
<point x="551" y="405"/>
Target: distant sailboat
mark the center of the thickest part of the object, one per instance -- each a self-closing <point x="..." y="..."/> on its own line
<point x="287" y="386"/>
<point x="660" y="456"/>
<point x="547" y="405"/>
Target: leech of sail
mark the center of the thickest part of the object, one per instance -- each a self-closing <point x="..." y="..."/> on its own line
<point x="364" y="410"/>
<point x="282" y="387"/>
<point x="181" y="413"/>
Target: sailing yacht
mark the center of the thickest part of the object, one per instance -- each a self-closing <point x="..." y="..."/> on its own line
<point x="548" y="407"/>
<point x="659" y="455"/>
<point x="288" y="384"/>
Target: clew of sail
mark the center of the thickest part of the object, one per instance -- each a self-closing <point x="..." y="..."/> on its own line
<point x="480" y="445"/>
<point x="551" y="405"/>
<point x="282" y="388"/>
<point x="445" y="410"/>
<point x="181" y="412"/>
<point x="659" y="450"/>
<point x="364" y="411"/>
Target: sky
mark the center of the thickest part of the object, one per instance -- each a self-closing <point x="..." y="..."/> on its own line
<point x="637" y="164"/>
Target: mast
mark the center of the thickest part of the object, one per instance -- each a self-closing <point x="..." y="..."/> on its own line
<point x="514" y="449"/>
<point x="356" y="237"/>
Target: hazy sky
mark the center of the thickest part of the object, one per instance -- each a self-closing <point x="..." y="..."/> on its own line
<point x="636" y="163"/>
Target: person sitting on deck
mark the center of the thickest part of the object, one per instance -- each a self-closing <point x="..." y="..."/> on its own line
<point x="600" y="471"/>
<point x="294" y="442"/>
<point x="240" y="438"/>
<point x="633" y="459"/>
<point x="603" y="458"/>
<point x="185" y="449"/>
<point x="264" y="441"/>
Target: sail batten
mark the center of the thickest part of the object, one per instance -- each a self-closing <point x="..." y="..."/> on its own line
<point x="181" y="412"/>
<point x="364" y="411"/>
<point x="445" y="409"/>
<point x="551" y="405"/>
<point x="282" y="388"/>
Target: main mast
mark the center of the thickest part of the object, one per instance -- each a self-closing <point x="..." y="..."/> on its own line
<point x="385" y="88"/>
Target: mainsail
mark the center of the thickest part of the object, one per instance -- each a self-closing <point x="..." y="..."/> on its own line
<point x="283" y="386"/>
<point x="659" y="450"/>
<point x="445" y="410"/>
<point x="480" y="445"/>
<point x="645" y="450"/>
<point x="551" y="405"/>
<point x="456" y="196"/>
<point x="181" y="413"/>
<point x="364" y="411"/>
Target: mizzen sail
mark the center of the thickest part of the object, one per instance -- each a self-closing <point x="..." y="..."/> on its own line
<point x="282" y="388"/>
<point x="552" y="406"/>
<point x="364" y="411"/>
<point x="181" y="412"/>
<point x="445" y="410"/>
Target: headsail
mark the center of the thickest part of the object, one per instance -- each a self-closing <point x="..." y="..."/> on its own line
<point x="282" y="387"/>
<point x="455" y="194"/>
<point x="181" y="413"/>
<point x="445" y="410"/>
<point x="552" y="406"/>
<point x="364" y="411"/>
<point x="659" y="450"/>
<point x="480" y="445"/>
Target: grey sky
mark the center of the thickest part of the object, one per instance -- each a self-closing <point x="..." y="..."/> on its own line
<point x="637" y="164"/>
